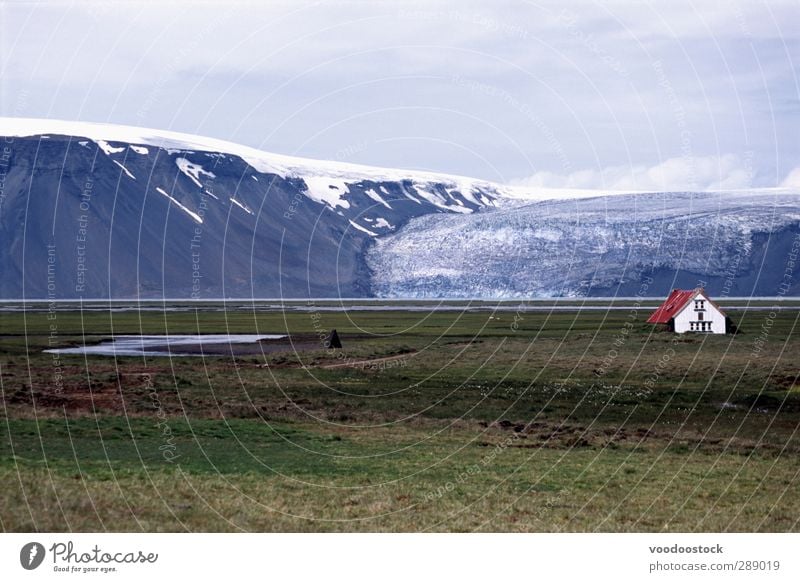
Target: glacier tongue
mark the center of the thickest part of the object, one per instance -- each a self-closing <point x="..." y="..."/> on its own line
<point x="579" y="247"/>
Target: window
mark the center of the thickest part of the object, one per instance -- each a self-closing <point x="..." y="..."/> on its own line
<point x="700" y="316"/>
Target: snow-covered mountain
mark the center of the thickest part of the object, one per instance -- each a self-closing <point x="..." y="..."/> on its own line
<point x="94" y="210"/>
<point x="98" y="210"/>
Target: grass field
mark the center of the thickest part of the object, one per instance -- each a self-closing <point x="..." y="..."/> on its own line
<point x="425" y="420"/>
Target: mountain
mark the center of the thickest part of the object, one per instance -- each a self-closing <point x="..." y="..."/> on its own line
<point x="104" y="211"/>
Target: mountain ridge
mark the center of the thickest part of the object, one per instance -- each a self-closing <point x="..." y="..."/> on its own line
<point x="174" y="215"/>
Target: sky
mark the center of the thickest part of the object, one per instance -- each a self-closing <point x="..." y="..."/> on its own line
<point x="610" y="95"/>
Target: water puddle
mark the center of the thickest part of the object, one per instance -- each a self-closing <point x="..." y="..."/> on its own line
<point x="168" y="345"/>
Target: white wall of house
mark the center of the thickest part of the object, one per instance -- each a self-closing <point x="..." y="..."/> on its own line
<point x="699" y="315"/>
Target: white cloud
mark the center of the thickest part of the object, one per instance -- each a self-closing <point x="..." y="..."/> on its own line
<point x="792" y="180"/>
<point x="726" y="172"/>
<point x="313" y="78"/>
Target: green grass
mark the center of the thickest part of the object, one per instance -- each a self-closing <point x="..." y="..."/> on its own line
<point x="551" y="422"/>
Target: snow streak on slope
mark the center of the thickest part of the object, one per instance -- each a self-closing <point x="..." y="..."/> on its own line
<point x="124" y="169"/>
<point x="196" y="217"/>
<point x="242" y="206"/>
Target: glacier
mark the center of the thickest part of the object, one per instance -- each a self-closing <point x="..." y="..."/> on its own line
<point x="595" y="246"/>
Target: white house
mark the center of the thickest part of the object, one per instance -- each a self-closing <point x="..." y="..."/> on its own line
<point x="690" y="311"/>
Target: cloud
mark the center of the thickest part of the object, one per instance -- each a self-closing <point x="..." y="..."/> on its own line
<point x="543" y="81"/>
<point x="726" y="172"/>
<point x="792" y="180"/>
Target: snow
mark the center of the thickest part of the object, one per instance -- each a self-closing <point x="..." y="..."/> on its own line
<point x="438" y="200"/>
<point x="211" y="194"/>
<point x="362" y="229"/>
<point x="108" y="148"/>
<point x="124" y="169"/>
<point x="377" y="197"/>
<point x="194" y="171"/>
<point x="410" y="196"/>
<point x="383" y="223"/>
<point x="254" y="178"/>
<point x="142" y="151"/>
<point x="196" y="217"/>
<point x="327" y="191"/>
<point x="466" y="191"/>
<point x="316" y="171"/>
<point x="242" y="206"/>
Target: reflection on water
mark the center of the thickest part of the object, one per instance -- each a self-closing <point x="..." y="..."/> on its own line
<point x="161" y="345"/>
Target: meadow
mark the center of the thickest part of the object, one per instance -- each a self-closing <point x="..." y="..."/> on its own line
<point x="427" y="420"/>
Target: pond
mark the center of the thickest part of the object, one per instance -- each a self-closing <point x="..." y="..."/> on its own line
<point x="168" y="345"/>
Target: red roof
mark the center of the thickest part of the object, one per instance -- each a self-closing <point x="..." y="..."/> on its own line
<point x="670" y="308"/>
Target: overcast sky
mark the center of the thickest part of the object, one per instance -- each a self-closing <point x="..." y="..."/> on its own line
<point x="643" y="95"/>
